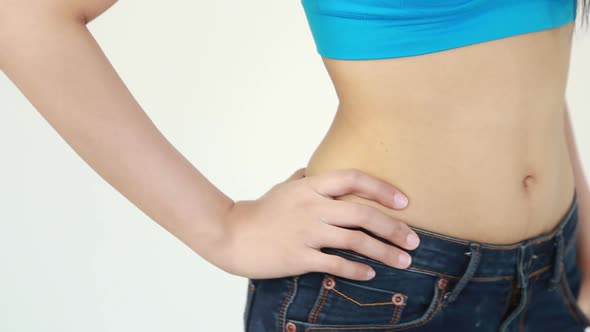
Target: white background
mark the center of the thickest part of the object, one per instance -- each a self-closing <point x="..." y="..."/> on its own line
<point x="237" y="87"/>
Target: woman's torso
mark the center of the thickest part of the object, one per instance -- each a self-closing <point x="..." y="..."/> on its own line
<point x="474" y="135"/>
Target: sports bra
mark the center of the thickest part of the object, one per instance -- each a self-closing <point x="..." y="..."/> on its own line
<point x="376" y="29"/>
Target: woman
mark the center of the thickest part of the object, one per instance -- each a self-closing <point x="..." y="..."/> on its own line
<point x="445" y="196"/>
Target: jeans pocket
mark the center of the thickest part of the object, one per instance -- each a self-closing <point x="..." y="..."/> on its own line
<point x="394" y="299"/>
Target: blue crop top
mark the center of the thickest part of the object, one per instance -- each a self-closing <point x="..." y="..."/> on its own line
<point x="374" y="29"/>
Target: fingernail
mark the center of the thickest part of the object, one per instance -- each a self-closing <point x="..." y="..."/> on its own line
<point x="400" y="200"/>
<point x="371" y="273"/>
<point x="413" y="240"/>
<point x="404" y="259"/>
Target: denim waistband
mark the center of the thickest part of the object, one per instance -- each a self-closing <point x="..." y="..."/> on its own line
<point x="450" y="256"/>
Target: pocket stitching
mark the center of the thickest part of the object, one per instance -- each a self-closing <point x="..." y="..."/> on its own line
<point x="397" y="313"/>
<point x="287" y="301"/>
<point x="441" y="287"/>
<point x="322" y="297"/>
<point x="432" y="311"/>
<point x="317" y="307"/>
<point x="360" y="304"/>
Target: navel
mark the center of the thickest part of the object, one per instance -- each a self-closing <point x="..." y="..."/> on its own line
<point x="528" y="181"/>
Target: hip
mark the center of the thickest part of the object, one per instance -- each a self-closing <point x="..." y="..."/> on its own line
<point x="452" y="285"/>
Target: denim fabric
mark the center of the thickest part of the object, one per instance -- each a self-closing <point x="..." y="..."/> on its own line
<point x="452" y="285"/>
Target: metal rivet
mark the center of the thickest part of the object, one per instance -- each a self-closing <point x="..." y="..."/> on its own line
<point x="329" y="282"/>
<point x="442" y="283"/>
<point x="291" y="327"/>
<point x="399" y="298"/>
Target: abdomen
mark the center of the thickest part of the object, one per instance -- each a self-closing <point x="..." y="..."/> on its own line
<point x="474" y="136"/>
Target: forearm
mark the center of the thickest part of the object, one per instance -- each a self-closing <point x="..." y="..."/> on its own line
<point x="583" y="199"/>
<point x="61" y="70"/>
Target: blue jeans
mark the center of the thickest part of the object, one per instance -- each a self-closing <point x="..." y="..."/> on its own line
<point x="452" y="285"/>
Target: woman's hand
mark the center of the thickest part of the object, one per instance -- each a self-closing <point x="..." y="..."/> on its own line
<point x="280" y="233"/>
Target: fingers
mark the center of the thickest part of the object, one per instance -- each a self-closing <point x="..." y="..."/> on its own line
<point x="350" y="214"/>
<point x="364" y="244"/>
<point x="353" y="181"/>
<point x="337" y="214"/>
<point x="340" y="266"/>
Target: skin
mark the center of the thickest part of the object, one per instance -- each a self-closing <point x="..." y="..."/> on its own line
<point x="478" y="137"/>
<point x="473" y="135"/>
<point x="424" y="126"/>
<point x="47" y="51"/>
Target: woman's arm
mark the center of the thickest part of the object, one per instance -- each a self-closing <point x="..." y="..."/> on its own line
<point x="47" y="51"/>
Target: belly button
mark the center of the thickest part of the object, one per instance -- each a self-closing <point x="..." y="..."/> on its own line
<point x="528" y="181"/>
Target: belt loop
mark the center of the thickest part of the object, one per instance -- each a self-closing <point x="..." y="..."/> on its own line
<point x="469" y="272"/>
<point x="557" y="261"/>
<point x="522" y="279"/>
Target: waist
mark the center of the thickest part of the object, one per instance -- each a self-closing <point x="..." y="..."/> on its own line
<point x="447" y="256"/>
<point x="480" y="177"/>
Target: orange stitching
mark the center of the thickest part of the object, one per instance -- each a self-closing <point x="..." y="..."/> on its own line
<point x="433" y="313"/>
<point x="426" y="320"/>
<point x="359" y="303"/>
<point x="397" y="313"/>
<point x="313" y="316"/>
<point x="538" y="271"/>
<point x="285" y="301"/>
<point x="322" y="299"/>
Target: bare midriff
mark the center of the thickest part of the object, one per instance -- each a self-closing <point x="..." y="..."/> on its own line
<point x="473" y="136"/>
